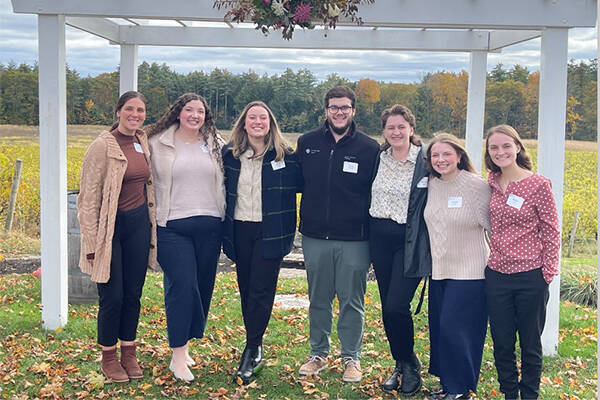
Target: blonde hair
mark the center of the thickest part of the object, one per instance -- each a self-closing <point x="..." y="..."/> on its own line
<point x="274" y="139"/>
<point x="449" y="139"/>
<point x="523" y="159"/>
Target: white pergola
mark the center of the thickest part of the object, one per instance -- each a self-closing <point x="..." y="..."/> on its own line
<point x="474" y="26"/>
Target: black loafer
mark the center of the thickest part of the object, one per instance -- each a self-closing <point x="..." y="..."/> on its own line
<point x="393" y="382"/>
<point x="411" y="376"/>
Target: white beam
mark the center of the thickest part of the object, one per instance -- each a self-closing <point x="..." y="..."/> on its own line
<point x="101" y="27"/>
<point x="53" y="169"/>
<point x="500" y="39"/>
<point x="476" y="106"/>
<point x="551" y="148"/>
<point x="381" y="39"/>
<point x="510" y="14"/>
<point x="128" y="72"/>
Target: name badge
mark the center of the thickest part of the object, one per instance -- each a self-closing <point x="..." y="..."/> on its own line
<point x="454" y="202"/>
<point x="204" y="148"/>
<point x="138" y="147"/>
<point x="350" y="167"/>
<point x="515" y="201"/>
<point x="277" y="164"/>
<point x="423" y="182"/>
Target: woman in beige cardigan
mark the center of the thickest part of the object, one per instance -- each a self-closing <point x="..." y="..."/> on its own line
<point x="190" y="201"/>
<point x="116" y="214"/>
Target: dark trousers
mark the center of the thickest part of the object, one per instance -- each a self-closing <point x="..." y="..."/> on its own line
<point x="119" y="298"/>
<point x="257" y="280"/>
<point x="457" y="328"/>
<point x="386" y="243"/>
<point x="188" y="252"/>
<point x="517" y="304"/>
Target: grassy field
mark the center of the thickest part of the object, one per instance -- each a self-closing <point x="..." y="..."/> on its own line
<point x="65" y="364"/>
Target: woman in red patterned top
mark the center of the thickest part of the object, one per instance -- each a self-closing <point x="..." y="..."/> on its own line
<point x="524" y="246"/>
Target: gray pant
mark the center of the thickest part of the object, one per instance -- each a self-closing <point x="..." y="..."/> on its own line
<point x="336" y="267"/>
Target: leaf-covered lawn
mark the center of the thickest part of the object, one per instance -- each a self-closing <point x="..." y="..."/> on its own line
<point x="65" y="364"/>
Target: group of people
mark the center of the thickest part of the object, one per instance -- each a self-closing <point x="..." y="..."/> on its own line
<point x="176" y="192"/>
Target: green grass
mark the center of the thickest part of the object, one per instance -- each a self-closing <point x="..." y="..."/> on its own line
<point x="35" y="363"/>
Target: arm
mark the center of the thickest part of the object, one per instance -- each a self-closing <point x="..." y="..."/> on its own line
<point x="545" y="207"/>
<point x="93" y="173"/>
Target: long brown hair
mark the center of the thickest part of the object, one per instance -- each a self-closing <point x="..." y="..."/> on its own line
<point x="443" y="137"/>
<point x="523" y="158"/>
<point x="399" y="109"/>
<point x="207" y="129"/>
<point x="239" y="136"/>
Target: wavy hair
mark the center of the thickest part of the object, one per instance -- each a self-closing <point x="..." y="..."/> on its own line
<point x="399" y="109"/>
<point x="208" y="128"/>
<point x="239" y="137"/>
<point x="125" y="97"/>
<point x="523" y="158"/>
<point x="449" y="139"/>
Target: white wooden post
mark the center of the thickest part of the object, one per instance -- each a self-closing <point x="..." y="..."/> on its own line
<point x="128" y="73"/>
<point x="53" y="169"/>
<point x="476" y="106"/>
<point x="551" y="148"/>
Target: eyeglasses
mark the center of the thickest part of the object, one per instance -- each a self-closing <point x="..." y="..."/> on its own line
<point x="335" y="109"/>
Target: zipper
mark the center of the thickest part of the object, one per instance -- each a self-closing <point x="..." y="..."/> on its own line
<point x="328" y="196"/>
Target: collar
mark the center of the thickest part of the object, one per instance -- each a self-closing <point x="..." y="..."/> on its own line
<point x="413" y="154"/>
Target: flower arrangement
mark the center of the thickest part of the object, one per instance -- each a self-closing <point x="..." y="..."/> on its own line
<point x="288" y="14"/>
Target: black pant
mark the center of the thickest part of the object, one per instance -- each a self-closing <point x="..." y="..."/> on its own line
<point x="386" y="243"/>
<point x="517" y="304"/>
<point x="188" y="252"/>
<point x="257" y="279"/>
<point x="119" y="298"/>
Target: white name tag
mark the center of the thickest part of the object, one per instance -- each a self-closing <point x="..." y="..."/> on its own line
<point x="454" y="202"/>
<point x="138" y="147"/>
<point x="515" y="201"/>
<point x="350" y="167"/>
<point x="423" y="182"/>
<point x="204" y="148"/>
<point x="277" y="164"/>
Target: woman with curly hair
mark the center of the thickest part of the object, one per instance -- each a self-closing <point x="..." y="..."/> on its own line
<point x="185" y="151"/>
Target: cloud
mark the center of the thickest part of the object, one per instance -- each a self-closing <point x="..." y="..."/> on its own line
<point x="90" y="55"/>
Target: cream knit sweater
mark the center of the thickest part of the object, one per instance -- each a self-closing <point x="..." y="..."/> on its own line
<point x="457" y="213"/>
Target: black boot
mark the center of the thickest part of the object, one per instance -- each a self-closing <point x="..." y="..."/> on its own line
<point x="250" y="363"/>
<point x="393" y="382"/>
<point x="411" y="376"/>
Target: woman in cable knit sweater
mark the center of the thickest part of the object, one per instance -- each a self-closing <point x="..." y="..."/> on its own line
<point x="185" y="150"/>
<point x="524" y="246"/>
<point x="457" y="214"/>
<point x="115" y="208"/>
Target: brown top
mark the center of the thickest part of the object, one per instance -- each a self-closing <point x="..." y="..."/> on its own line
<point x="102" y="171"/>
<point x="137" y="173"/>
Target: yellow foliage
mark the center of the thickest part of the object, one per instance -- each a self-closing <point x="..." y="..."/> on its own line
<point x="368" y="90"/>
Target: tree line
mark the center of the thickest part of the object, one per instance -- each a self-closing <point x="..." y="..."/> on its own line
<point x="439" y="100"/>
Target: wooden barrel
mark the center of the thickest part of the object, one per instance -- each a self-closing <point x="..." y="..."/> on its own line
<point x="81" y="289"/>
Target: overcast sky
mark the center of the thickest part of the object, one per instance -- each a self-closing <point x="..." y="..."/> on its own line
<point x="90" y="55"/>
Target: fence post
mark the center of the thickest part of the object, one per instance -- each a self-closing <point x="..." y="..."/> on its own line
<point x="14" y="188"/>
<point x="573" y="231"/>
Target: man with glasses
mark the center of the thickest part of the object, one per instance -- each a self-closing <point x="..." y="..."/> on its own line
<point x="338" y="163"/>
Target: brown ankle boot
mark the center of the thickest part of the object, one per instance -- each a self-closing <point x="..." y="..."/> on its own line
<point x="130" y="362"/>
<point x="111" y="368"/>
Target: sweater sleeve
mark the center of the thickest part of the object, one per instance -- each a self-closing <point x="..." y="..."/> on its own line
<point x="483" y="195"/>
<point x="93" y="174"/>
<point x="549" y="229"/>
